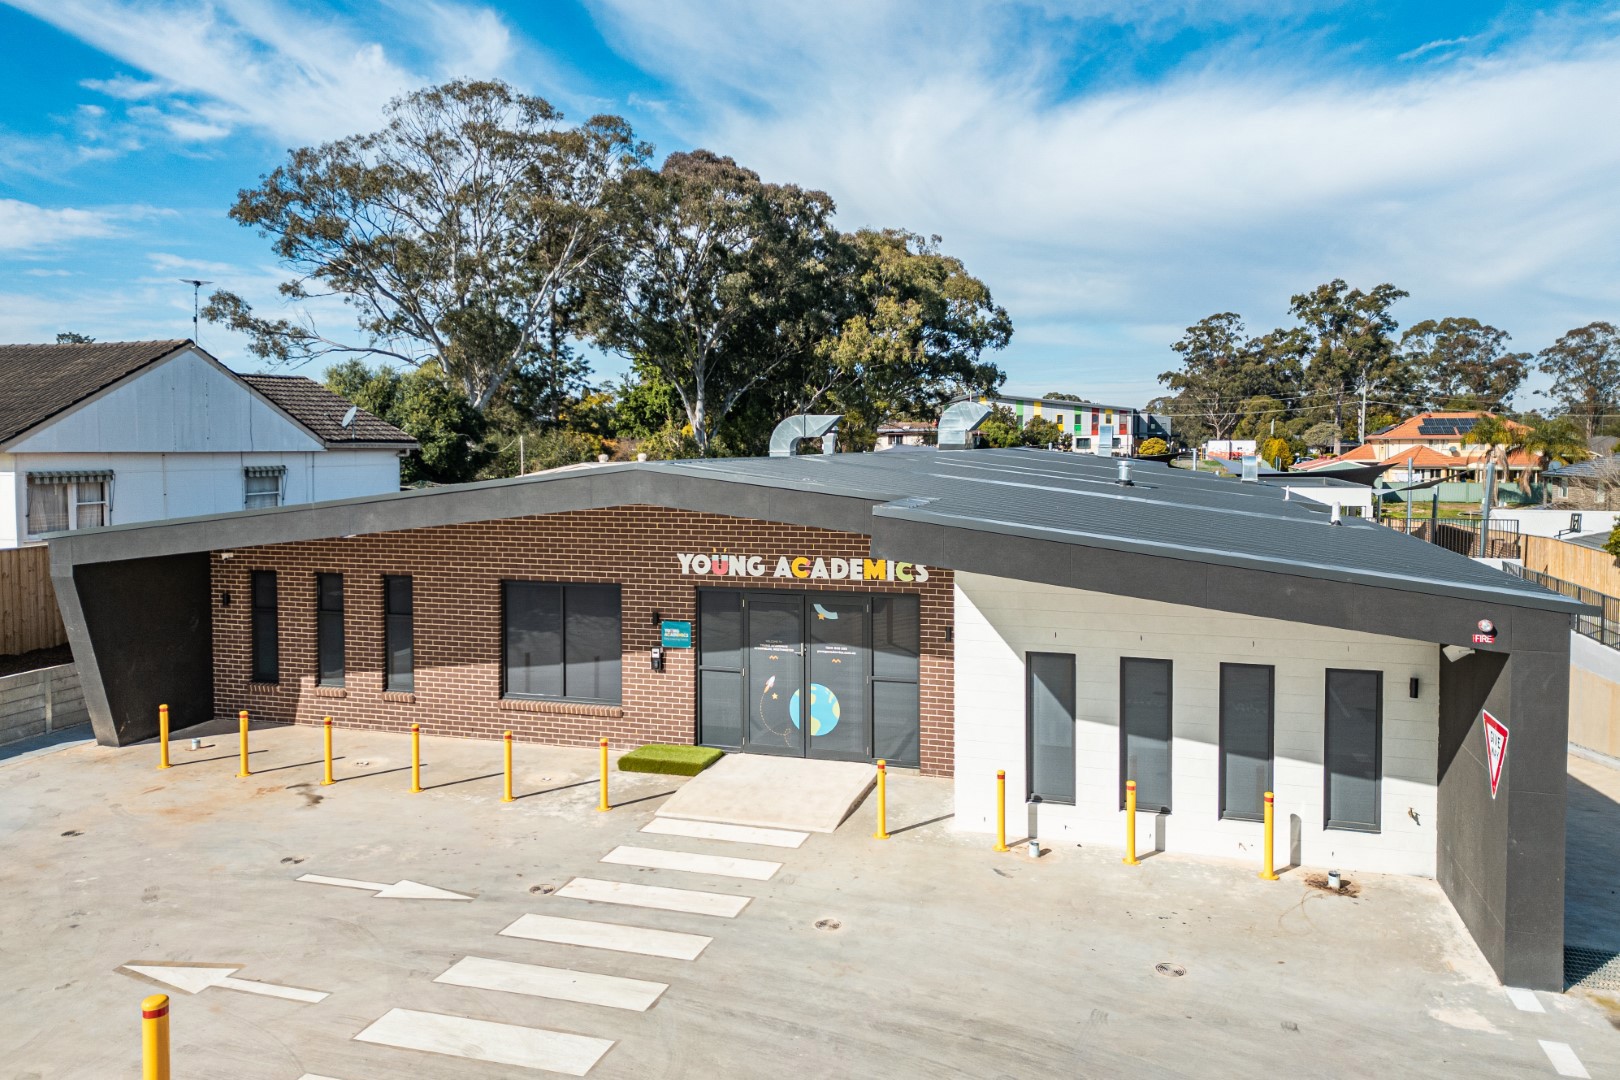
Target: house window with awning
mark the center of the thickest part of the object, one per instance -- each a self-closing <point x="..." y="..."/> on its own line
<point x="263" y="486"/>
<point x="65" y="500"/>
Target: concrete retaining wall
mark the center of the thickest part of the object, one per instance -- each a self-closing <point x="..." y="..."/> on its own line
<point x="36" y="702"/>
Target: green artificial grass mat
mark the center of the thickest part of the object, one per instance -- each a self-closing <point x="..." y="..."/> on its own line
<point x="669" y="759"/>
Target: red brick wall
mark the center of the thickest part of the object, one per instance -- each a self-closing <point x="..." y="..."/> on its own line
<point x="457" y="572"/>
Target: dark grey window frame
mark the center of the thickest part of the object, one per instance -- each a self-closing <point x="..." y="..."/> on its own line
<point x="1378" y="756"/>
<point x="563" y="587"/>
<point x="325" y="633"/>
<point x="399" y="682"/>
<point x="1271" y="743"/>
<point x="1030" y="794"/>
<point x="264" y="649"/>
<point x="1170" y="745"/>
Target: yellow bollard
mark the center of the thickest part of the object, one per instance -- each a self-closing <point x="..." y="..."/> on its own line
<point x="155" y="1037"/>
<point x="882" y="801"/>
<point x="602" y="802"/>
<point x="1267" y="872"/>
<point x="416" y="758"/>
<point x="327" y="779"/>
<point x="242" y="718"/>
<point x="1130" y="825"/>
<point x="163" y="736"/>
<point x="1001" y="809"/>
<point x="507" y="797"/>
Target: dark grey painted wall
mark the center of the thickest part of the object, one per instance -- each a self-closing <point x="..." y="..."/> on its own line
<point x="142" y="633"/>
<point x="1501" y="860"/>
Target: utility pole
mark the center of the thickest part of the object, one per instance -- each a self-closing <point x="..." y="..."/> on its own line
<point x="196" y="306"/>
<point x="1361" y="426"/>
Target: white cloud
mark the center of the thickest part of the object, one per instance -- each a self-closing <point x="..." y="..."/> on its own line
<point x="1484" y="186"/>
<point x="24" y="226"/>
<point x="275" y="67"/>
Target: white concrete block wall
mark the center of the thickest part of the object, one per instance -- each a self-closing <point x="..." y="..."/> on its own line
<point x="1554" y="522"/>
<point x="36" y="702"/>
<point x="998" y="620"/>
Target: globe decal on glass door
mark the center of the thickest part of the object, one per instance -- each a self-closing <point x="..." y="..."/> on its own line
<point x="824" y="709"/>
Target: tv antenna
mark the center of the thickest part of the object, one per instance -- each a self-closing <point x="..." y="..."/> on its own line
<point x="196" y="303"/>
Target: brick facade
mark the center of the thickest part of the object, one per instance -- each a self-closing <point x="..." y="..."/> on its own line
<point x="457" y="572"/>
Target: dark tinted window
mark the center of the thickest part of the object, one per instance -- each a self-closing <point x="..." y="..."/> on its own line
<point x="896" y="664"/>
<point x="329" y="629"/>
<point x="399" y="634"/>
<point x="1246" y="737"/>
<point x="1144" y="731"/>
<point x="1351" y="736"/>
<point x="266" y="643"/>
<point x="562" y="641"/>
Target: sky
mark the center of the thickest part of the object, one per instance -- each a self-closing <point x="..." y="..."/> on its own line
<point x="1114" y="170"/>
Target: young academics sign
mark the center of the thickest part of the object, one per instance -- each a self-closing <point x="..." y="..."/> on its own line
<point x="802" y="567"/>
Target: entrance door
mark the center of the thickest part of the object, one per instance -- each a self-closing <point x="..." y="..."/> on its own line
<point x="775" y="663"/>
<point x="823" y="675"/>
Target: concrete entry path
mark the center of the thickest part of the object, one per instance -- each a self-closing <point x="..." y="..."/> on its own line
<point x="773" y="792"/>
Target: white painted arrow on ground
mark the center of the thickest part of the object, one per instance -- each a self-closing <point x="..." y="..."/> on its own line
<point x="399" y="890"/>
<point x="195" y="979"/>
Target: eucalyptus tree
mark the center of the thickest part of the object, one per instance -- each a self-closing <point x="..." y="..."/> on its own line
<point x="909" y="330"/>
<point x="716" y="281"/>
<point x="1352" y="350"/>
<point x="457" y="235"/>
<point x="1461" y="360"/>
<point x="1585" y="369"/>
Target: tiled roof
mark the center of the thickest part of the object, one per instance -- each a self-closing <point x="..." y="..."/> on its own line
<point x="38" y="382"/>
<point x="322" y="411"/>
<point x="1411" y="429"/>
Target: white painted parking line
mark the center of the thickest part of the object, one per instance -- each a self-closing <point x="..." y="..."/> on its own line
<point x="601" y="935"/>
<point x="737" y="834"/>
<point x="316" y="1076"/>
<point x="485" y="1040"/>
<point x="195" y="978"/>
<point x="559" y="984"/>
<point x="1564" y="1060"/>
<point x="1524" y="1000"/>
<point x="654" y="896"/>
<point x="718" y="865"/>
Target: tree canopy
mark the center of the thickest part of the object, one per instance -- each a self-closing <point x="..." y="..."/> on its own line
<point x="1585" y="369"/>
<point x="457" y="234"/>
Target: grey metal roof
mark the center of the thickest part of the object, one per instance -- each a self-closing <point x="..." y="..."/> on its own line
<point x="1054" y="496"/>
<point x="1173" y="513"/>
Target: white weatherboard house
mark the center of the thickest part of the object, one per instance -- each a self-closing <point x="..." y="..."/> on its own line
<point x="110" y="433"/>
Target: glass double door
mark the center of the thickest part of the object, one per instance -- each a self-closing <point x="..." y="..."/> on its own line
<point x="792" y="674"/>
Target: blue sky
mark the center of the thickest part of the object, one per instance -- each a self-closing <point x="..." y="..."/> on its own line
<point x="1114" y="169"/>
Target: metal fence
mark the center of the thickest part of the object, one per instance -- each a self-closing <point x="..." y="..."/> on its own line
<point x="1604" y="628"/>
<point x="1502" y="540"/>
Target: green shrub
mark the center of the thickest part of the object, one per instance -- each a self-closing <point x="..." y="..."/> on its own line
<point x="670" y="760"/>
<point x="1153" y="447"/>
<point x="1612" y="544"/>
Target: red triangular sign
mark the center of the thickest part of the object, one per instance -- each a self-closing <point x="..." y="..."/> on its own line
<point x="1496" y="738"/>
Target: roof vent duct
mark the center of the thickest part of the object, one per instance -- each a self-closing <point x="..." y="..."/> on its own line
<point x="1251" y="470"/>
<point x="1125" y="473"/>
<point x="957" y="424"/>
<point x="789" y="433"/>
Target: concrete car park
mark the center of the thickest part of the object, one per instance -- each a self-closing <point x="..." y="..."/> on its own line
<point x="1069" y="965"/>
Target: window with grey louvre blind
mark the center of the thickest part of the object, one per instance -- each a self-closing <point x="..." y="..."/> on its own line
<point x="1050" y="689"/>
<point x="1352" y="733"/>
<point x="266" y="646"/>
<point x="1247" y="696"/>
<point x="1145" y="732"/>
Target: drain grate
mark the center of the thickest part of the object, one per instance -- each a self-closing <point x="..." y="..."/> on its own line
<point x="1595" y="969"/>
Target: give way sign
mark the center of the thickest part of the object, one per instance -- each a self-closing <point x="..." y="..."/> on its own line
<point x="1496" y="739"/>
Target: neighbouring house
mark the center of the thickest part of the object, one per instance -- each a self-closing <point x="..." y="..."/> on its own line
<point x="1585" y="485"/>
<point x="1431" y="446"/>
<point x="905" y="433"/>
<point x="1105" y="430"/>
<point x="118" y="432"/>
